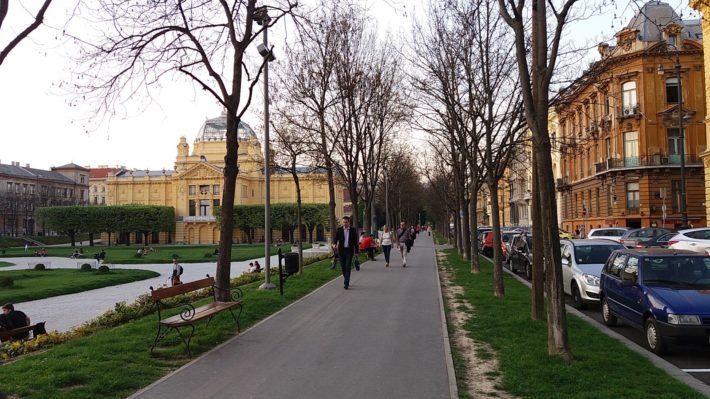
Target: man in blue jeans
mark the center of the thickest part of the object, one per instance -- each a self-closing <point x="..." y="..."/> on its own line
<point x="345" y="242"/>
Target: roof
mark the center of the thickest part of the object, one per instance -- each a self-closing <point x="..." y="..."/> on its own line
<point x="102" y="173"/>
<point x="300" y="169"/>
<point x="144" y="173"/>
<point x="655" y="15"/>
<point x="216" y="129"/>
<point x="70" y="166"/>
<point x="32" y="173"/>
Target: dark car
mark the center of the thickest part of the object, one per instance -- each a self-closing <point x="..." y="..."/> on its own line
<point x="520" y="256"/>
<point x="659" y="241"/>
<point x="664" y="292"/>
<point x="636" y="237"/>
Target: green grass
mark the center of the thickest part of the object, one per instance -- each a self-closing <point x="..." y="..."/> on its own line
<point x="439" y="238"/>
<point x="602" y="367"/>
<point x="163" y="254"/>
<point x="116" y="362"/>
<point x="6" y="264"/>
<point x="37" y="284"/>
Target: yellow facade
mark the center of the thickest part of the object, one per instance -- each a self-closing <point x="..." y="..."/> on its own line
<point x="704" y="8"/>
<point x="194" y="187"/>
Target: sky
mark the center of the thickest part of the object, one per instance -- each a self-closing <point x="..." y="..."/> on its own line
<point x="38" y="126"/>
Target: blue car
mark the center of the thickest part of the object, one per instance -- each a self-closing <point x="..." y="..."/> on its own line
<point x="664" y="292"/>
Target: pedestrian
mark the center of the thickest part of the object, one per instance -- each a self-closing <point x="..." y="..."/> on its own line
<point x="366" y="244"/>
<point x="257" y="266"/>
<point x="345" y="243"/>
<point x="385" y="241"/>
<point x="11" y="319"/>
<point x="27" y="247"/>
<point x="177" y="272"/>
<point x="403" y="236"/>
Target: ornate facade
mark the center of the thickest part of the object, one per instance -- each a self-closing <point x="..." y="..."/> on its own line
<point x="704" y="7"/>
<point x="619" y="129"/>
<point x="194" y="186"/>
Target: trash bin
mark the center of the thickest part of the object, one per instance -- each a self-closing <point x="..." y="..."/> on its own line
<point x="291" y="262"/>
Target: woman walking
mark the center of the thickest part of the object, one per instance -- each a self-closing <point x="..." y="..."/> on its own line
<point x="385" y="241"/>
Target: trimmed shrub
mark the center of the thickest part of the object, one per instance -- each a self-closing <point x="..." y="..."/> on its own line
<point x="6" y="282"/>
<point x="208" y="254"/>
<point x="86" y="267"/>
<point x="40" y="266"/>
<point x="103" y="269"/>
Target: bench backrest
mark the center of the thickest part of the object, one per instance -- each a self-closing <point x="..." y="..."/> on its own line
<point x="169" y="292"/>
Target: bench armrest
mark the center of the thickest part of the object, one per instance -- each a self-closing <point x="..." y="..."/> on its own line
<point x="235" y="293"/>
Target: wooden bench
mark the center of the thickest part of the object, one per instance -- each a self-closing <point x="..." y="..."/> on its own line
<point x="8" y="335"/>
<point x="189" y="315"/>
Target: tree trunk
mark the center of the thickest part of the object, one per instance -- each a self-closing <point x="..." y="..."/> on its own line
<point x="498" y="287"/>
<point x="537" y="300"/>
<point x="475" y="262"/>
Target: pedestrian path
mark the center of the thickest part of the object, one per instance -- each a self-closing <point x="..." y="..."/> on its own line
<point x="64" y="312"/>
<point x="385" y="338"/>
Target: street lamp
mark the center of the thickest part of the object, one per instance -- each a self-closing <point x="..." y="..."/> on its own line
<point x="261" y="17"/>
<point x="681" y="135"/>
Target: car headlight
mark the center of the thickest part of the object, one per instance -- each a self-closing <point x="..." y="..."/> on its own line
<point x="591" y="279"/>
<point x="684" y="319"/>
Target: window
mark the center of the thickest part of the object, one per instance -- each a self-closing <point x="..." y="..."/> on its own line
<point x="607" y="145"/>
<point x="631" y="269"/>
<point x="103" y="200"/>
<point x="204" y="189"/>
<point x="103" y="189"/>
<point x="598" y="211"/>
<point x="81" y="194"/>
<point x="631" y="149"/>
<point x="215" y="203"/>
<point x="607" y="104"/>
<point x="617" y="265"/>
<point x="96" y="200"/>
<point x="93" y="189"/>
<point x="672" y="40"/>
<point x="9" y="187"/>
<point x="674" y="143"/>
<point x="204" y="207"/>
<point x="18" y="185"/>
<point x="191" y="208"/>
<point x="71" y="193"/>
<point x="215" y="189"/>
<point x="244" y="191"/>
<point x="632" y="196"/>
<point x="675" y="195"/>
<point x="672" y="93"/>
<point x="82" y="179"/>
<point x="628" y="98"/>
<point x="65" y="193"/>
<point x="32" y="189"/>
<point x="24" y="189"/>
<point x="192" y="190"/>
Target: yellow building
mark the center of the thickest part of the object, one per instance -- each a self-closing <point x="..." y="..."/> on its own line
<point x="194" y="187"/>
<point x="704" y="7"/>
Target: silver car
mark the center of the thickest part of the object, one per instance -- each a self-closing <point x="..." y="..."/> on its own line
<point x="582" y="262"/>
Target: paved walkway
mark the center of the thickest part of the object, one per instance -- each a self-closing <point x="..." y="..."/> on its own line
<point x="385" y="338"/>
<point x="64" y="312"/>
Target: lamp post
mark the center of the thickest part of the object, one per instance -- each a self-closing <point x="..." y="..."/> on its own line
<point x="681" y="136"/>
<point x="261" y="16"/>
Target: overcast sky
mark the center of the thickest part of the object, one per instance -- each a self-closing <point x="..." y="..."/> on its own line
<point x="37" y="126"/>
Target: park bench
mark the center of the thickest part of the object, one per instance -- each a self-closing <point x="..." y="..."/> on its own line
<point x="36" y="329"/>
<point x="189" y="315"/>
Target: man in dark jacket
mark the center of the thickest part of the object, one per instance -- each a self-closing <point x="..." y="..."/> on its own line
<point x="11" y="319"/>
<point x="345" y="242"/>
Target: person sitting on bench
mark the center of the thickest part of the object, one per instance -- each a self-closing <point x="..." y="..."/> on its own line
<point x="11" y="319"/>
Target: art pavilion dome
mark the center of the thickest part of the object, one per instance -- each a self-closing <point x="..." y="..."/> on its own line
<point x="215" y="129"/>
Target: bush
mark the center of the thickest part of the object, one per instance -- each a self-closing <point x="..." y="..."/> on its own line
<point x="86" y="267"/>
<point x="103" y="269"/>
<point x="6" y="282"/>
<point x="40" y="266"/>
<point x="208" y="254"/>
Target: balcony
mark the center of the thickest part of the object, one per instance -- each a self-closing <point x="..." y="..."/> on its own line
<point x="198" y="219"/>
<point x="629" y="111"/>
<point x="562" y="184"/>
<point x="645" y="161"/>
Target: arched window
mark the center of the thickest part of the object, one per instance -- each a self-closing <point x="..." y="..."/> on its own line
<point x="628" y="98"/>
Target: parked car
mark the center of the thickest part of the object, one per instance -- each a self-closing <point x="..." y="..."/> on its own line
<point x="636" y="237"/>
<point x="697" y="240"/>
<point x="609" y="233"/>
<point x="663" y="292"/>
<point x="582" y="262"/>
<point x="520" y="255"/>
<point x="659" y="241"/>
<point x="564" y="235"/>
<point x="487" y="247"/>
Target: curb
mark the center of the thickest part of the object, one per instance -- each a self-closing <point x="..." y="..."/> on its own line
<point x="453" y="388"/>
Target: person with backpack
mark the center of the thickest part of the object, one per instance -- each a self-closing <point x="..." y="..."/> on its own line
<point x="177" y="272"/>
<point x="403" y="237"/>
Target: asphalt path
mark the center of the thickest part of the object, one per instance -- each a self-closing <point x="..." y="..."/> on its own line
<point x="689" y="357"/>
<point x="383" y="338"/>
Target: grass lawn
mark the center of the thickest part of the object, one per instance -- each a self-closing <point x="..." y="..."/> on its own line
<point x="439" y="238"/>
<point x="602" y="367"/>
<point x="37" y="284"/>
<point x="163" y="254"/>
<point x="116" y="362"/>
<point x="5" y="264"/>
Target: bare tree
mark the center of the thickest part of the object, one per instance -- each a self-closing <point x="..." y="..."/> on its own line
<point x="535" y="76"/>
<point x="38" y="19"/>
<point x="145" y="43"/>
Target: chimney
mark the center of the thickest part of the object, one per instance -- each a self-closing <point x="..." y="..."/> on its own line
<point x="27" y="165"/>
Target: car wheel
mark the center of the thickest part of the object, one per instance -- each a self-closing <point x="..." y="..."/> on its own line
<point x="528" y="271"/>
<point x="655" y="342"/>
<point x="608" y="318"/>
<point x="577" y="301"/>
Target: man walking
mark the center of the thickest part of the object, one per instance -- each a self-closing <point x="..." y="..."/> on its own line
<point x="403" y="237"/>
<point x="345" y="242"/>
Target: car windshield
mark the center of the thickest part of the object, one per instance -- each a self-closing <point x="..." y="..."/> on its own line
<point x="594" y="254"/>
<point x="677" y="271"/>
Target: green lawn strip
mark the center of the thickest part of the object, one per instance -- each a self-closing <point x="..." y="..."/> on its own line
<point x="602" y="367"/>
<point x="29" y="285"/>
<point x="5" y="264"/>
<point x="163" y="254"/>
<point x="116" y="362"/>
<point x="439" y="238"/>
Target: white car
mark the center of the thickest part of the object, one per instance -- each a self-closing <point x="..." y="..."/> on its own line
<point x="696" y="240"/>
<point x="609" y="233"/>
<point x="582" y="263"/>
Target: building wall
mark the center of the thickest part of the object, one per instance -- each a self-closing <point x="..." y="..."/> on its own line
<point x="704" y="8"/>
